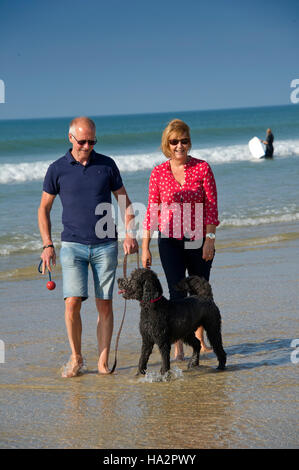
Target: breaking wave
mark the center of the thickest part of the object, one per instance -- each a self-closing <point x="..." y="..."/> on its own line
<point x="35" y="171"/>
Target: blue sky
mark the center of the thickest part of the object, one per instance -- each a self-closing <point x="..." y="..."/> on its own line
<point x="94" y="57"/>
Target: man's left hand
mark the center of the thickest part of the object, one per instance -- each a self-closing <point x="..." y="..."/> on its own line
<point x="130" y="245"/>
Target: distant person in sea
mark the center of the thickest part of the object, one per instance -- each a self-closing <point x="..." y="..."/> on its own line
<point x="178" y="184"/>
<point x="269" y="144"/>
<point x="84" y="179"/>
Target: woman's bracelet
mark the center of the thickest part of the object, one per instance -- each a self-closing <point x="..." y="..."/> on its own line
<point x="48" y="246"/>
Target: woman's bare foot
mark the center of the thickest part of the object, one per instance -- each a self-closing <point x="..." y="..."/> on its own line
<point x="205" y="349"/>
<point x="179" y="357"/>
<point x="73" y="367"/>
<point x="178" y="351"/>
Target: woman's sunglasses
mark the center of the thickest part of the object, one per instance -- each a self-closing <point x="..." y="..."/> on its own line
<point x="83" y="142"/>
<point x="176" y="141"/>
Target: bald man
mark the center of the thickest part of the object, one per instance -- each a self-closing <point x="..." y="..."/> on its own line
<point x="84" y="180"/>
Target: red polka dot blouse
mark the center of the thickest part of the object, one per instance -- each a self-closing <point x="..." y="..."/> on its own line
<point x="182" y="210"/>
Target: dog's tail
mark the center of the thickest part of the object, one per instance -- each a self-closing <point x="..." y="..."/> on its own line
<point x="196" y="285"/>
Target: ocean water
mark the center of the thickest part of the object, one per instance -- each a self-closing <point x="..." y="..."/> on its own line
<point x="252" y="194"/>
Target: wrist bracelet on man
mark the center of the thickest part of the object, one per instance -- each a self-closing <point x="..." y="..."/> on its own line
<point x="48" y="246"/>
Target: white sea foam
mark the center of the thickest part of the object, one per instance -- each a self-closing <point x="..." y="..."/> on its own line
<point x="253" y="221"/>
<point x="35" y="171"/>
<point x="22" y="172"/>
<point x="9" y="249"/>
<point x="172" y="374"/>
<point x="13" y="243"/>
<point x="235" y="153"/>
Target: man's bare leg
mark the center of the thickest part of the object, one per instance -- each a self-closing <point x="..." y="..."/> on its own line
<point x="74" y="331"/>
<point x="104" y="333"/>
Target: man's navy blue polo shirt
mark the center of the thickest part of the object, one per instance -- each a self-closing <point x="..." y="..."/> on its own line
<point x="81" y="188"/>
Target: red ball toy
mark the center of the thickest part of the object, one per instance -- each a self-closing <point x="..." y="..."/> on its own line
<point x="51" y="285"/>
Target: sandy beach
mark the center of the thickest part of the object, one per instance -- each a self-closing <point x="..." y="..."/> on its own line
<point x="253" y="404"/>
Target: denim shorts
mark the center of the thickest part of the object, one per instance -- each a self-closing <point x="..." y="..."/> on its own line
<point x="75" y="259"/>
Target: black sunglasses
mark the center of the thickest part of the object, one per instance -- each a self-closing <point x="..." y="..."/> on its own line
<point x="83" y="142"/>
<point x="176" y="141"/>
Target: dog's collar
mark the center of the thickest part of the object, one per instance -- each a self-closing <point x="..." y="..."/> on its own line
<point x="153" y="300"/>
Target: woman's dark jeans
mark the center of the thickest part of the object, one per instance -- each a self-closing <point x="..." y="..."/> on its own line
<point x="176" y="259"/>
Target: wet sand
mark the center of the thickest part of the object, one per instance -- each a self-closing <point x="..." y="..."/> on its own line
<point x="253" y="404"/>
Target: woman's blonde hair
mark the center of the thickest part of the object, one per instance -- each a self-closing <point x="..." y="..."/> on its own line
<point x="176" y="128"/>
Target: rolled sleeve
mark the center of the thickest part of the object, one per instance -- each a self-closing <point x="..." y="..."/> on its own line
<point x="210" y="204"/>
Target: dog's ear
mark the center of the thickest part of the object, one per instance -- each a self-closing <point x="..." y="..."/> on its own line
<point x="182" y="286"/>
<point x="152" y="288"/>
<point x="199" y="286"/>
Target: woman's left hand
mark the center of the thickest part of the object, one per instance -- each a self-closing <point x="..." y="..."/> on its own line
<point x="208" y="249"/>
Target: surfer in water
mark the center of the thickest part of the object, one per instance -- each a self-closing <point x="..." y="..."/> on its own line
<point x="269" y="144"/>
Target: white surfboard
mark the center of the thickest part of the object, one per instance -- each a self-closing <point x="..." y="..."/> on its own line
<point x="256" y="147"/>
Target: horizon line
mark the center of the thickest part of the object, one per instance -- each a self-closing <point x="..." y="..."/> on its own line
<point x="145" y="113"/>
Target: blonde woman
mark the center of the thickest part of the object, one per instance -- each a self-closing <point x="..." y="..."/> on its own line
<point x="175" y="186"/>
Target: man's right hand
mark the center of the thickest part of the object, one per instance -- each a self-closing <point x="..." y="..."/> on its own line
<point x="48" y="256"/>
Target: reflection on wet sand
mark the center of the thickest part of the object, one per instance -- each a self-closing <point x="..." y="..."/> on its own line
<point x="123" y="412"/>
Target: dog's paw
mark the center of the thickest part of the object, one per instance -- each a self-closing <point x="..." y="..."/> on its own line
<point x="192" y="366"/>
<point x="165" y="376"/>
<point x="164" y="372"/>
<point x="193" y="363"/>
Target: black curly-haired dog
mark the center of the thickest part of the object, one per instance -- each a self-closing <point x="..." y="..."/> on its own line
<point x="163" y="321"/>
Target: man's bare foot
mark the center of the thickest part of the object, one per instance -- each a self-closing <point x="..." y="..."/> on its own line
<point x="103" y="369"/>
<point x="73" y="367"/>
<point x="205" y="349"/>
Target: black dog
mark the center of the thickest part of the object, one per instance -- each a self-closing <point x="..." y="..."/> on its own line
<point x="163" y="321"/>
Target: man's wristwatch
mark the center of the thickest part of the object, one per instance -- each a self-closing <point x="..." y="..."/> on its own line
<point x="211" y="235"/>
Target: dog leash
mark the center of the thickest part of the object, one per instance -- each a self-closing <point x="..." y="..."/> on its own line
<point x="40" y="271"/>
<point x="124" y="314"/>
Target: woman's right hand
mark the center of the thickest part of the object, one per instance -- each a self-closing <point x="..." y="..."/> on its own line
<point x="146" y="258"/>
